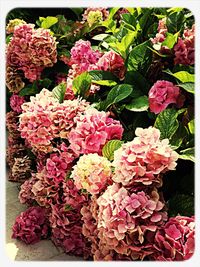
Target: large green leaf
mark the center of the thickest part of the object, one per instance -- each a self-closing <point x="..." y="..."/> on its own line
<point x="99" y="75"/>
<point x="117" y="94"/>
<point x="81" y="84"/>
<point x="47" y="22"/>
<point x="187" y="154"/>
<point x="138" y="81"/>
<point x="191" y="126"/>
<point x="59" y="91"/>
<point x="183" y="76"/>
<point x="170" y="40"/>
<point x="139" y="56"/>
<point x="167" y="123"/>
<point x="30" y="89"/>
<point x="105" y="82"/>
<point x="110" y="147"/>
<point x="138" y="104"/>
<point x="175" y="21"/>
<point x="181" y="204"/>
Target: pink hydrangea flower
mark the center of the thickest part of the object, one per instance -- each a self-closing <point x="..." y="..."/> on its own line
<point x="163" y="93"/>
<point x="93" y="129"/>
<point x="92" y="172"/>
<point x="184" y="49"/>
<point x="31" y="225"/>
<point x="112" y="62"/>
<point x="162" y="29"/>
<point x="175" y="240"/>
<point x="143" y="159"/>
<point x="104" y="12"/>
<point x="66" y="227"/>
<point x="31" y="50"/>
<point x="121" y="212"/>
<point x="25" y="194"/>
<point x="15" y="103"/>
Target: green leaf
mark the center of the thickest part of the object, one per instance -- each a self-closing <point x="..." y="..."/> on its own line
<point x="30" y="89"/>
<point x="175" y="21"/>
<point x="110" y="147"/>
<point x="183" y="76"/>
<point x="170" y="40"/>
<point x="139" y="56"/>
<point x="191" y="126"/>
<point x="180" y="135"/>
<point x="99" y="75"/>
<point x="181" y="204"/>
<point x="117" y="94"/>
<point x="105" y="82"/>
<point x="8" y="38"/>
<point x="189" y="87"/>
<point x="187" y="154"/>
<point x="59" y="91"/>
<point x="48" y="22"/>
<point x="138" y="81"/>
<point x="138" y="104"/>
<point x="81" y="84"/>
<point x="167" y="123"/>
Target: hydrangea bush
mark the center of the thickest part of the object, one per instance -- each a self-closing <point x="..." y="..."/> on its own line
<point x="100" y="121"/>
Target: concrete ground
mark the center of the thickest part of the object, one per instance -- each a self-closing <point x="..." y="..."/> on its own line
<point x="19" y="251"/>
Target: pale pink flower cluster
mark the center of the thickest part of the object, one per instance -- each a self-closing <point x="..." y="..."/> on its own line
<point x="184" y="49"/>
<point x="44" y="118"/>
<point x="31" y="50"/>
<point x="92" y="172"/>
<point x="162" y="94"/>
<point x="144" y="158"/>
<point x="121" y="212"/>
<point x="15" y="103"/>
<point x="31" y="225"/>
<point x="92" y="131"/>
<point x="175" y="240"/>
<point x="161" y="35"/>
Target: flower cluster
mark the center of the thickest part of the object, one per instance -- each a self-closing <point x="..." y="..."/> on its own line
<point x="175" y="240"/>
<point x="164" y="93"/>
<point x="162" y="30"/>
<point x="92" y="172"/>
<point x="184" y="49"/>
<point x="31" y="50"/>
<point x="15" y="102"/>
<point x="93" y="129"/>
<point x="144" y="158"/>
<point x="31" y="225"/>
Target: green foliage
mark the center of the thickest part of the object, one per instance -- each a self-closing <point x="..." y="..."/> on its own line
<point x="170" y="40"/>
<point x="81" y="84"/>
<point x="175" y="21"/>
<point x="47" y="22"/>
<point x="110" y="147"/>
<point x="187" y="154"/>
<point x="181" y="204"/>
<point x="189" y="87"/>
<point x="182" y="76"/>
<point x="30" y="89"/>
<point x="138" y="104"/>
<point x="59" y="91"/>
<point x="191" y="126"/>
<point x="117" y="94"/>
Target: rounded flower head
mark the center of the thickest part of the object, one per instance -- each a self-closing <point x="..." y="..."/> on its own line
<point x="175" y="240"/>
<point x="184" y="49"/>
<point x="31" y="225"/>
<point x="93" y="129"/>
<point x="163" y="93"/>
<point x="112" y="62"/>
<point x="31" y="50"/>
<point x="92" y="172"/>
<point x="122" y="213"/>
<point x="12" y="23"/>
<point x="143" y="159"/>
<point x="95" y="10"/>
<point x="15" y="102"/>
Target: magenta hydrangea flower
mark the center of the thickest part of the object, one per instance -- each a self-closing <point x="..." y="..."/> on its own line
<point x="175" y="240"/>
<point x="112" y="62"/>
<point x="15" y="103"/>
<point x="184" y="49"/>
<point x="66" y="227"/>
<point x="143" y="159"/>
<point x="31" y="50"/>
<point x="31" y="225"/>
<point x="92" y="172"/>
<point x="163" y="93"/>
<point x="93" y="129"/>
